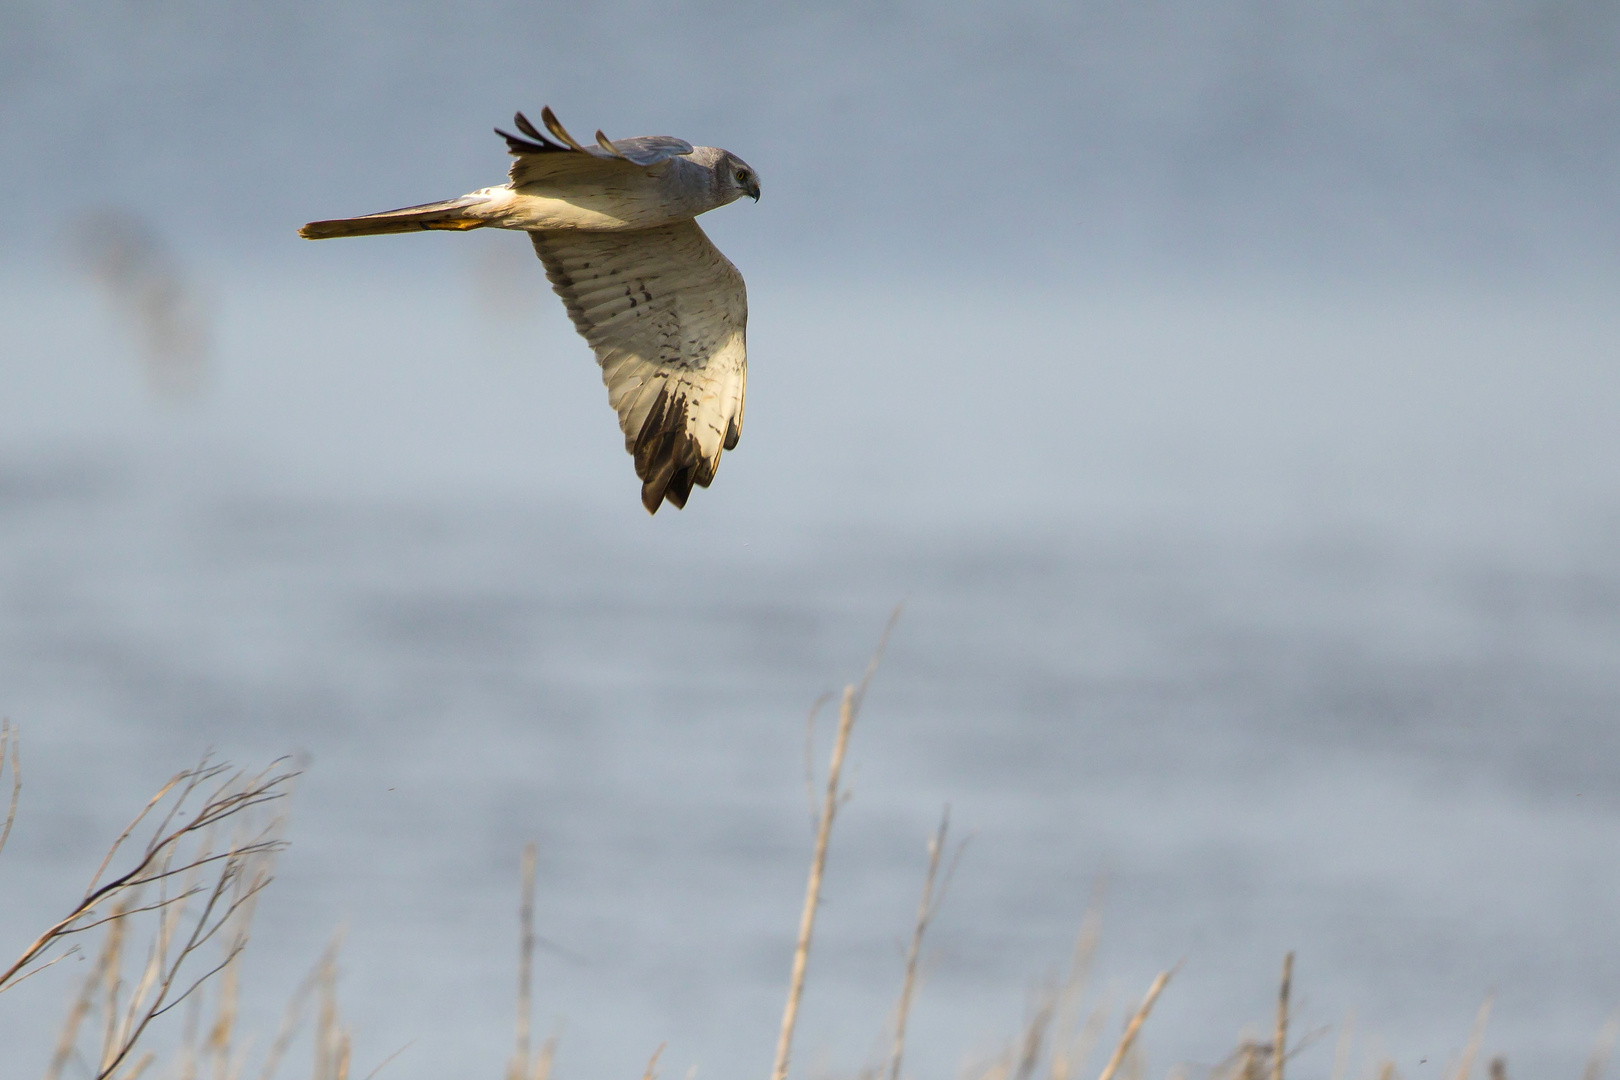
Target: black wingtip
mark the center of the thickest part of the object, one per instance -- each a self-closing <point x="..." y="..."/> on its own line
<point x="531" y="142"/>
<point x="530" y="130"/>
<point x="667" y="456"/>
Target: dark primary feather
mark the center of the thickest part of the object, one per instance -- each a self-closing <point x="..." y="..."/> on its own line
<point x="623" y="292"/>
<point x="532" y="132"/>
<point x="668" y="459"/>
<point x="642" y="150"/>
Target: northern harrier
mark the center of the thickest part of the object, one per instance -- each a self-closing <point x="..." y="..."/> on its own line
<point x="663" y="310"/>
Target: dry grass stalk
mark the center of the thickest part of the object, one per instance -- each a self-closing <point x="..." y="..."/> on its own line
<point x="833" y="798"/>
<point x="1034" y="1040"/>
<point x="519" y="1067"/>
<point x="1279" y="1048"/>
<point x="1341" y="1047"/>
<point x="1090" y="1033"/>
<point x="1069" y="1050"/>
<point x="1135" y="1067"/>
<point x="161" y="863"/>
<point x="652" y="1063"/>
<point x="112" y="950"/>
<point x="222" y="1032"/>
<point x="1599" y="1058"/>
<point x="203" y="894"/>
<point x="933" y="894"/>
<point x="332" y="1041"/>
<point x="293" y="1017"/>
<point x="1250" y="1061"/>
<point x="1135" y="1025"/>
<point x="1475" y="1037"/>
<point x="8" y="742"/>
<point x="543" y="1060"/>
<point x="812" y="894"/>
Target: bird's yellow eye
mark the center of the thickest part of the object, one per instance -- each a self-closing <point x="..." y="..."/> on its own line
<point x="742" y="176"/>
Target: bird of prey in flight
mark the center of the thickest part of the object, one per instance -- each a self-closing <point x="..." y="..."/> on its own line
<point x="663" y="310"/>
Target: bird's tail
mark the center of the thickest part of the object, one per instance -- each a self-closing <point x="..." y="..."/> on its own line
<point x="450" y="214"/>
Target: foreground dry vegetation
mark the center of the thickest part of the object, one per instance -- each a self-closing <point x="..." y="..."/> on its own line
<point x="173" y="901"/>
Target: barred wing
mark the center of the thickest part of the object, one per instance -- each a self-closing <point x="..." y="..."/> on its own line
<point x="666" y="314"/>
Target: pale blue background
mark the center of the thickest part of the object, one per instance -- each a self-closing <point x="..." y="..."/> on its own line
<point x="1229" y="391"/>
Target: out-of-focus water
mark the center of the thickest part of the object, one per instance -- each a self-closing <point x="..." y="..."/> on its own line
<point x="1297" y="617"/>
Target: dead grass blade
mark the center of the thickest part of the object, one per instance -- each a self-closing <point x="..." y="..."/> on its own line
<point x="1599" y="1058"/>
<point x="518" y="1067"/>
<point x="652" y="1063"/>
<point x="812" y="893"/>
<point x="1135" y="1024"/>
<point x="1279" y="1048"/>
<point x="933" y="895"/>
<point x="1475" y="1037"/>
<point x="157" y="862"/>
<point x="833" y="798"/>
<point x="9" y="742"/>
<point x="1068" y="1050"/>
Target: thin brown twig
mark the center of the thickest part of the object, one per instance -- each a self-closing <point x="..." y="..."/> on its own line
<point x="134" y="1071"/>
<point x="111" y="948"/>
<point x="1279" y="1048"/>
<point x="877" y="656"/>
<point x="1135" y="1025"/>
<point x="134" y="824"/>
<point x="160" y="976"/>
<point x="157" y="905"/>
<point x="242" y="872"/>
<point x="155" y="864"/>
<point x="372" y="1075"/>
<point x="52" y="962"/>
<point x="191" y="915"/>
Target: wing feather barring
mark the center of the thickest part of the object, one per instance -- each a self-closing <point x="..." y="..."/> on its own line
<point x="665" y="312"/>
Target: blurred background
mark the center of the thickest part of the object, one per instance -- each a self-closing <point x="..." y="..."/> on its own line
<point x="1227" y="389"/>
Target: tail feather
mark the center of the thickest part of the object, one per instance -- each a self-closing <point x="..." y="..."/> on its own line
<point x="450" y="214"/>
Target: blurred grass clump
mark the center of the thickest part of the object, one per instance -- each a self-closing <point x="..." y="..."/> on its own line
<point x="180" y="902"/>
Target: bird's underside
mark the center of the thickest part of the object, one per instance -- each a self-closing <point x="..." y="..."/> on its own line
<point x="664" y="311"/>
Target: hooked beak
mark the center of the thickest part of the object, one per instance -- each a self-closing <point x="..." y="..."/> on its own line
<point x="753" y="189"/>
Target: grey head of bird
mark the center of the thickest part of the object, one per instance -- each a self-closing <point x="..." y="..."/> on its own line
<point x="730" y="175"/>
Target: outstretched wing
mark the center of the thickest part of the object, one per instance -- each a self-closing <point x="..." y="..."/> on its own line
<point x="666" y="315"/>
<point x="540" y="159"/>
